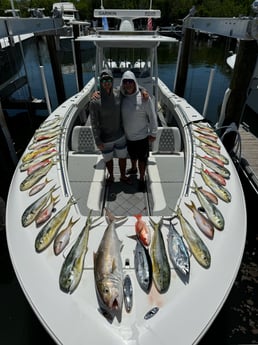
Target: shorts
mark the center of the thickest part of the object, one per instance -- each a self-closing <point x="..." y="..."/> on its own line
<point x="139" y="149"/>
<point x="115" y="148"/>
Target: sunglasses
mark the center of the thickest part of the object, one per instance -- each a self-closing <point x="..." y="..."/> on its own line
<point x="107" y="80"/>
<point x="129" y="81"/>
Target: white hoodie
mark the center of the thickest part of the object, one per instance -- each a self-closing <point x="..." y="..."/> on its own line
<point x="139" y="117"/>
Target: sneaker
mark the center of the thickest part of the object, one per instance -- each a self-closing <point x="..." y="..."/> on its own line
<point x="142" y="186"/>
<point x="131" y="171"/>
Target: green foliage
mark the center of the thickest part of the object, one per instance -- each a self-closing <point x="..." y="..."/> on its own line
<point x="171" y="11"/>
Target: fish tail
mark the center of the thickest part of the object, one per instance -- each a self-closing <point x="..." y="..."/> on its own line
<point x="138" y="216"/>
<point x="54" y="199"/>
<point x="192" y="206"/>
<point x="71" y="222"/>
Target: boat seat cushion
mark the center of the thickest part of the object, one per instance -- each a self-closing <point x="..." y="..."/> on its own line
<point x="83" y="140"/>
<point x="168" y="140"/>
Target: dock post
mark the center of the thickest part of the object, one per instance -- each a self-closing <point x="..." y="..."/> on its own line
<point x="56" y="68"/>
<point x="242" y="75"/>
<point x="77" y="56"/>
<point x="183" y="62"/>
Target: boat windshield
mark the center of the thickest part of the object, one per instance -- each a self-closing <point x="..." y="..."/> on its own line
<point x="120" y="60"/>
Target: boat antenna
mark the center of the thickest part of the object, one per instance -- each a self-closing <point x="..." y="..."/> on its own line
<point x="150" y="4"/>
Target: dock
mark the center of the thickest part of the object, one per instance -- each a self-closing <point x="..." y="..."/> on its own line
<point x="249" y="155"/>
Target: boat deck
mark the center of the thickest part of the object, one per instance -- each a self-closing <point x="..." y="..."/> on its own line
<point x="91" y="191"/>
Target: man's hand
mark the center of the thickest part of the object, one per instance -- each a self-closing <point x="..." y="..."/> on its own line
<point x="95" y="96"/>
<point x="101" y="147"/>
<point x="151" y="138"/>
<point x="145" y="95"/>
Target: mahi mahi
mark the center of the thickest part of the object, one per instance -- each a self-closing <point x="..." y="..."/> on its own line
<point x="214" y="166"/>
<point x="32" y="179"/>
<point x="222" y="192"/>
<point x="72" y="268"/>
<point x="33" y="209"/>
<point x="49" y="231"/>
<point x="212" y="212"/>
<point x="197" y="246"/>
<point x="160" y="264"/>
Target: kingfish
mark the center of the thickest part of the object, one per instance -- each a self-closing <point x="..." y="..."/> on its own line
<point x="201" y="221"/>
<point x="197" y="246"/>
<point x="50" y="229"/>
<point x="160" y="264"/>
<point x="63" y="238"/>
<point x="72" y="268"/>
<point x="178" y="252"/>
<point x="34" y="178"/>
<point x="33" y="209"/>
<point x="212" y="212"/>
<point x="108" y="271"/>
<point x="143" y="265"/>
<point x="218" y="189"/>
<point x="223" y="171"/>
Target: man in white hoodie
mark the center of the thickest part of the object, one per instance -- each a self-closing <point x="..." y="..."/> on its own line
<point x="140" y="124"/>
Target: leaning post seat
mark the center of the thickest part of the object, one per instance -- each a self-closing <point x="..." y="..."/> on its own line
<point x="168" y="141"/>
<point x="86" y="169"/>
<point x="83" y="140"/>
<point x="165" y="170"/>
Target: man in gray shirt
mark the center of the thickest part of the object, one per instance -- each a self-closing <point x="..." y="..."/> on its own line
<point x="107" y="126"/>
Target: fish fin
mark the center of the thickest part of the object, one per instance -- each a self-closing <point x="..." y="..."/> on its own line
<point x="114" y="266"/>
<point x="133" y="237"/>
<point x="110" y="217"/>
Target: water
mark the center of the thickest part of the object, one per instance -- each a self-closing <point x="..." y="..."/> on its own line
<point x="237" y="322"/>
<point x="204" y="57"/>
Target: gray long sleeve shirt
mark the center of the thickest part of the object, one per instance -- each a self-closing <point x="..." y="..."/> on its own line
<point x="139" y="116"/>
<point x="106" y="118"/>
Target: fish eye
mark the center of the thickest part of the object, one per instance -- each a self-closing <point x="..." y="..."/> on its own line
<point x="105" y="289"/>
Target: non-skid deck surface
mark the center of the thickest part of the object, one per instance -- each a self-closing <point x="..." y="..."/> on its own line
<point x="126" y="200"/>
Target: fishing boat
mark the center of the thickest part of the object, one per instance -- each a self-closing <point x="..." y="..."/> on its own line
<point x="173" y="285"/>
